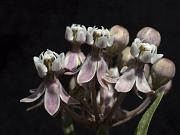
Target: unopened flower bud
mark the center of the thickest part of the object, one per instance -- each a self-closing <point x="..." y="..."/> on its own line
<point x="121" y="39"/>
<point x="125" y="58"/>
<point x="162" y="71"/>
<point x="149" y="35"/>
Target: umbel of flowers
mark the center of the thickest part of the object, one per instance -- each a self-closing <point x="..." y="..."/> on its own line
<point x="102" y="78"/>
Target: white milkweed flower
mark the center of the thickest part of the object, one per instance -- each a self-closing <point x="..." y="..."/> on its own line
<point x="145" y="52"/>
<point x="49" y="61"/>
<point x="76" y="33"/>
<point x="48" y="64"/>
<point x="101" y="38"/>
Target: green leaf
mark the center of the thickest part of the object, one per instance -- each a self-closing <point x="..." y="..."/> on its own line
<point x="146" y="118"/>
<point x="67" y="124"/>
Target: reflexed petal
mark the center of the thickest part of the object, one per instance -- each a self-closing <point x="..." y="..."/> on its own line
<point x="88" y="70"/>
<point x="126" y="81"/>
<point x="51" y="101"/>
<point x="81" y="37"/>
<point x="81" y="56"/>
<point x="89" y="39"/>
<point x="58" y="64"/>
<point x="40" y="67"/>
<point x="101" y="72"/>
<point x="35" y="95"/>
<point x="71" y="61"/>
<point x="65" y="97"/>
<point x="146" y="57"/>
<point x="142" y="84"/>
<point x="69" y="34"/>
<point x="134" y="50"/>
<point x="101" y="42"/>
<point x="156" y="57"/>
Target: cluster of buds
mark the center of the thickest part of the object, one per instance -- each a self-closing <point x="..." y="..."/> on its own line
<point x="102" y="78"/>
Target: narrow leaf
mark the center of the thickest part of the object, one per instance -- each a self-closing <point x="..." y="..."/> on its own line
<point x="146" y="118"/>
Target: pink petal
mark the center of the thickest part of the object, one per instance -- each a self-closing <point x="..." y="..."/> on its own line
<point x="71" y="60"/>
<point x="35" y="95"/>
<point x="51" y="101"/>
<point x="65" y="97"/>
<point x="142" y="84"/>
<point x="126" y="81"/>
<point x="101" y="71"/>
<point x="88" y="70"/>
<point x="81" y="56"/>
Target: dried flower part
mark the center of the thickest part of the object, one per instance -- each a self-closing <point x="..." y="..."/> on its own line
<point x="49" y="62"/>
<point x="149" y="35"/>
<point x="100" y="38"/>
<point x="125" y="58"/>
<point x="145" y="52"/>
<point x="121" y="39"/>
<point x="76" y="33"/>
<point x="162" y="71"/>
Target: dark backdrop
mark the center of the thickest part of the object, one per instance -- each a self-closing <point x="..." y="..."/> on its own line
<point x="28" y="27"/>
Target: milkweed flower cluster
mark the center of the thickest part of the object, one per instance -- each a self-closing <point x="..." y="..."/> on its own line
<point x="102" y="77"/>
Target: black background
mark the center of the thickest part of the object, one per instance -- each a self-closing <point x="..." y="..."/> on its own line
<point x="29" y="27"/>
